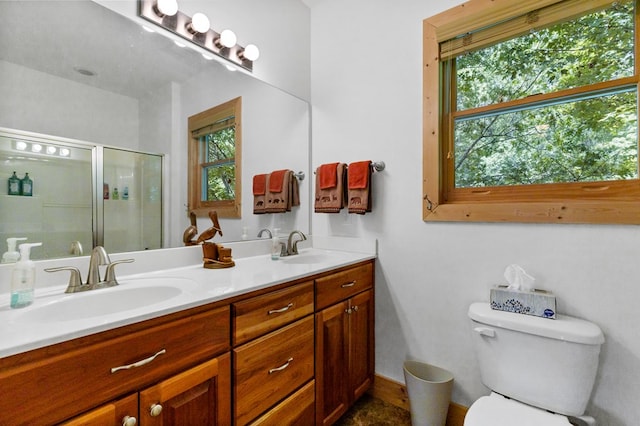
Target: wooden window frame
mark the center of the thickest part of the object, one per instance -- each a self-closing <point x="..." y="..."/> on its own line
<point x="616" y="202"/>
<point x="224" y="208"/>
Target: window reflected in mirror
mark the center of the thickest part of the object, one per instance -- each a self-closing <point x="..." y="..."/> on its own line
<point x="214" y="160"/>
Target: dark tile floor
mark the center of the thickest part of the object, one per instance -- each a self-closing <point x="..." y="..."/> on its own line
<point x="370" y="411"/>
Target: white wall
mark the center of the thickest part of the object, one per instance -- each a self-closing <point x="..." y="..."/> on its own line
<point x="366" y="86"/>
<point x="41" y="103"/>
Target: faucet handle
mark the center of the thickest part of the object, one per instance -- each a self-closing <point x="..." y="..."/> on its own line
<point x="75" y="281"/>
<point x="110" y="274"/>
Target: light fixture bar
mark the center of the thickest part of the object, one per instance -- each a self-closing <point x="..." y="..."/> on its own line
<point x="181" y="25"/>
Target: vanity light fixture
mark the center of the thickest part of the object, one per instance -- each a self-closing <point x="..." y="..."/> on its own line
<point x="196" y="29"/>
<point x="250" y="53"/>
<point x="39" y="148"/>
<point x="164" y="8"/>
<point x="227" y="39"/>
<point x="199" y="24"/>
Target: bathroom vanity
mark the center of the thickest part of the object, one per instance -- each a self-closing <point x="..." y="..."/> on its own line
<point x="278" y="351"/>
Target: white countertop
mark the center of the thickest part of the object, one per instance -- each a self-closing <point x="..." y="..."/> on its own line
<point x="20" y="333"/>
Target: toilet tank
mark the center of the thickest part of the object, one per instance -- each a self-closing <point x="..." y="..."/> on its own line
<point x="550" y="364"/>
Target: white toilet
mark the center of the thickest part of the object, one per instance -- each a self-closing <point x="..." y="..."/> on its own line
<point x="540" y="371"/>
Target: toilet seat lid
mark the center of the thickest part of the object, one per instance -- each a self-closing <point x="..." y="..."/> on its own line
<point x="496" y="410"/>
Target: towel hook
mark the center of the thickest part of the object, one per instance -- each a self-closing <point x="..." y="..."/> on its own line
<point x="378" y="166"/>
<point x="300" y="175"/>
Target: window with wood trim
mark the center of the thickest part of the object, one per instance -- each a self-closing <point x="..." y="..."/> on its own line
<point x="531" y="112"/>
<point x="214" y="160"/>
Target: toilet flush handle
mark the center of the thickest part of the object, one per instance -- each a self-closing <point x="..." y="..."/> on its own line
<point x="485" y="331"/>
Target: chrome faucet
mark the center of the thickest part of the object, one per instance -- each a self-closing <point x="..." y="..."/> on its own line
<point x="292" y="246"/>
<point x="265" y="230"/>
<point x="99" y="257"/>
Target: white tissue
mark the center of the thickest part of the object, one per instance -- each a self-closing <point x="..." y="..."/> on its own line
<point x="518" y="279"/>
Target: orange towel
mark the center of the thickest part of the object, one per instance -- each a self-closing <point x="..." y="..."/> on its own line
<point x="284" y="194"/>
<point x="330" y="199"/>
<point x="259" y="193"/>
<point x="259" y="184"/>
<point x="359" y="174"/>
<point x="359" y="187"/>
<point x="276" y="179"/>
<point x="328" y="175"/>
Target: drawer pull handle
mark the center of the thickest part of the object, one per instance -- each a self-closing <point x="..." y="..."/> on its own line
<point x="277" y="311"/>
<point x="155" y="410"/>
<point x="351" y="284"/>
<point x="139" y="363"/>
<point x="282" y="367"/>
<point x="129" y="421"/>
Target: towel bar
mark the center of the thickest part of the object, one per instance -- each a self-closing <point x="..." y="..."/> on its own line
<point x="377" y="166"/>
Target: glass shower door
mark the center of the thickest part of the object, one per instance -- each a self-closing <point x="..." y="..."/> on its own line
<point x="131" y="201"/>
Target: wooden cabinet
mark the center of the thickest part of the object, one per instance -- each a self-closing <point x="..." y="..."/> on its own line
<point x="344" y="341"/>
<point x="298" y="355"/>
<point x="272" y="367"/>
<point x="56" y="383"/>
<point x="121" y="412"/>
<point x="200" y="395"/>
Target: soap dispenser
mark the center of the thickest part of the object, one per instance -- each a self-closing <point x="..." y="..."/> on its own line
<point x="14" y="185"/>
<point x="23" y="278"/>
<point x="275" y="245"/>
<point x="26" y="185"/>
<point x="11" y="256"/>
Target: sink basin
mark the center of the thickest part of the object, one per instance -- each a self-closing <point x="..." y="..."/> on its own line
<point x="309" y="258"/>
<point x="129" y="295"/>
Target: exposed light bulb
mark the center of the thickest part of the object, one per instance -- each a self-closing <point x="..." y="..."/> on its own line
<point x="21" y="146"/>
<point x="167" y="7"/>
<point x="36" y="147"/>
<point x="200" y="23"/>
<point x="64" y="152"/>
<point x="228" y="38"/>
<point x="250" y="52"/>
<point x="51" y="150"/>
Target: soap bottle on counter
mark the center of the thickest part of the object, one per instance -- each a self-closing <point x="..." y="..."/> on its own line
<point x="11" y="256"/>
<point x="14" y="185"/>
<point x="23" y="278"/>
<point x="275" y="245"/>
<point x="26" y="185"/>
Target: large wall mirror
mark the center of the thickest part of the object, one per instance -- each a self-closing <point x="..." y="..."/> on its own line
<point x="81" y="71"/>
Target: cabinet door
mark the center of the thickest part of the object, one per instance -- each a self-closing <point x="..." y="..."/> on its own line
<point x="199" y="396"/>
<point x="361" y="344"/>
<point x="115" y="413"/>
<point x="332" y="352"/>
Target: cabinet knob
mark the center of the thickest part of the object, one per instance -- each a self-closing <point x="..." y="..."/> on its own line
<point x="129" y="421"/>
<point x="155" y="410"/>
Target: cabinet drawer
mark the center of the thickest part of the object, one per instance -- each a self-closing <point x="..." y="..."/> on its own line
<point x="342" y="285"/>
<point x="262" y="314"/>
<point x="56" y="388"/>
<point x="271" y="367"/>
<point x="296" y="410"/>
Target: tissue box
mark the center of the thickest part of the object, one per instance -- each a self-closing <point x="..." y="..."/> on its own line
<point x="539" y="303"/>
